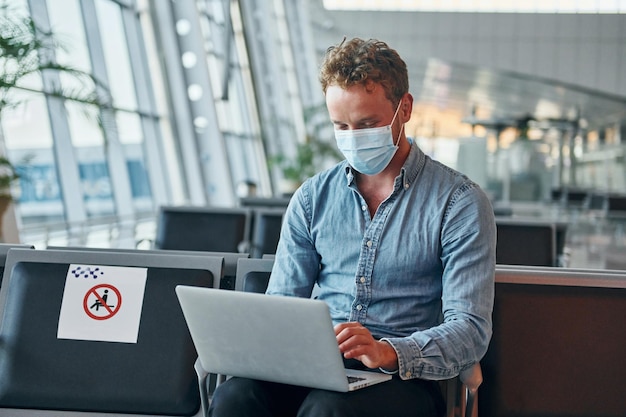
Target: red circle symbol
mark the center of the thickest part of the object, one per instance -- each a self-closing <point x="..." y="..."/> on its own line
<point x="101" y="304"/>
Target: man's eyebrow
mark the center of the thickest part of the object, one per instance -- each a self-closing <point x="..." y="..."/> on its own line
<point x="360" y="121"/>
<point x="374" y="118"/>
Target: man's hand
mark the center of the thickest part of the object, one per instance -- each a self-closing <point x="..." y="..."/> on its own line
<point x="356" y="342"/>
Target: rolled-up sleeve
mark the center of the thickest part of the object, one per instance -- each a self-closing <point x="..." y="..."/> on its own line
<point x="468" y="257"/>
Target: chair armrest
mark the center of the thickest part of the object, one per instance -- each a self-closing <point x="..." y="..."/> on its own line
<point x="471" y="378"/>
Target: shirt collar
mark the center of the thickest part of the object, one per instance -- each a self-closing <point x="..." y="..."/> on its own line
<point x="347" y="169"/>
<point x="412" y="166"/>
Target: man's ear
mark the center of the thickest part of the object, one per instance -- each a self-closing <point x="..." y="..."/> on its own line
<point x="407" y="107"/>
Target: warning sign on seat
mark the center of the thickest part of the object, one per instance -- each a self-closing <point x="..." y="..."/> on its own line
<point x="102" y="303"/>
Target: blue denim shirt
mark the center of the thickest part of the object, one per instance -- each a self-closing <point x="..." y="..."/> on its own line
<point x="419" y="274"/>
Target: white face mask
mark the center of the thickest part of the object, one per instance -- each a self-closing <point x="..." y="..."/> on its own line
<point x="370" y="150"/>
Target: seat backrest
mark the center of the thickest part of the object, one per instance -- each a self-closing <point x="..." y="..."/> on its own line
<point x="4" y="250"/>
<point x="462" y="392"/>
<point x="526" y="243"/>
<point x="131" y="354"/>
<point x="596" y="201"/>
<point x="617" y="203"/>
<point x="557" y="345"/>
<point x="576" y="198"/>
<point x="266" y="232"/>
<point x="253" y="274"/>
<point x="264" y="202"/>
<point x="227" y="281"/>
<point x="212" y="229"/>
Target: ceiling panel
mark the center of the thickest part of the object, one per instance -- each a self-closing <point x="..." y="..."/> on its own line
<point x="485" y="93"/>
<point x="508" y="96"/>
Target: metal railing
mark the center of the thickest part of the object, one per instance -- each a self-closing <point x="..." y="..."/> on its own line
<point x="133" y="231"/>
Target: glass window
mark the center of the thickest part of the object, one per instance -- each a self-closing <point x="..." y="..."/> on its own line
<point x="28" y="141"/>
<point x="86" y="134"/>
<point x="115" y="48"/>
<point x="90" y="155"/>
<point x="131" y="136"/>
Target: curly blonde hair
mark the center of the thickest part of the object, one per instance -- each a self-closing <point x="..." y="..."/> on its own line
<point x="359" y="61"/>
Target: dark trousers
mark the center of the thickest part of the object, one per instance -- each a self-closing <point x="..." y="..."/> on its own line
<point x="239" y="397"/>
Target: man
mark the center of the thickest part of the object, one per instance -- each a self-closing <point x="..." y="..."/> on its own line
<point x="402" y="248"/>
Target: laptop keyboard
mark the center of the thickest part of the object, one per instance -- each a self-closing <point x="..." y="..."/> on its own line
<point x="352" y="379"/>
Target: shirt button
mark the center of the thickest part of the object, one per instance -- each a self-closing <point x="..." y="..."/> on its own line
<point x="359" y="307"/>
<point x="406" y="186"/>
<point x="362" y="280"/>
<point x="369" y="243"/>
<point x="364" y="207"/>
<point x="407" y="374"/>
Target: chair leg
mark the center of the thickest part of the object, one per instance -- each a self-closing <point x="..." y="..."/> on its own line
<point x="451" y="387"/>
<point x="471" y="379"/>
<point x="471" y="405"/>
<point x="463" y="401"/>
<point x="202" y="385"/>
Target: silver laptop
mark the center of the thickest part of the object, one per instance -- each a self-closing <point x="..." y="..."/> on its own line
<point x="280" y="339"/>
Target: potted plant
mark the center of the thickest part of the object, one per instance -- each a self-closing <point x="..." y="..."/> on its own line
<point x="8" y="177"/>
<point x="26" y="49"/>
<point x="311" y="157"/>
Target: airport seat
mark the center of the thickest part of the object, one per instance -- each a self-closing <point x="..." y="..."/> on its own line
<point x="4" y="250"/>
<point x="55" y="364"/>
<point x="557" y="348"/>
<point x="471" y="380"/>
<point x="462" y="393"/>
<point x="527" y="242"/>
<point x="264" y="202"/>
<point x="253" y="275"/>
<point x="611" y="204"/>
<point x="597" y="202"/>
<point x="265" y="231"/>
<point x="212" y="229"/>
<point x="576" y="197"/>
<point x="227" y="281"/>
<point x="570" y="197"/>
<point x="617" y="204"/>
<point x="615" y="259"/>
